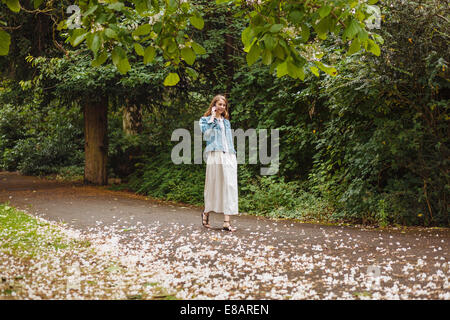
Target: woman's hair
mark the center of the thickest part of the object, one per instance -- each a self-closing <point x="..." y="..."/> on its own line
<point x="213" y="102"/>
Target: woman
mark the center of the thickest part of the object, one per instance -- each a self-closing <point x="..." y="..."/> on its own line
<point x="221" y="192"/>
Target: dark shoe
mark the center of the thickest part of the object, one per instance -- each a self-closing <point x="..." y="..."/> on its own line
<point x="205" y="220"/>
<point x="228" y="227"/>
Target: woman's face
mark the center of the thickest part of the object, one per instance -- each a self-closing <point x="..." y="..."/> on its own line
<point x="220" y="106"/>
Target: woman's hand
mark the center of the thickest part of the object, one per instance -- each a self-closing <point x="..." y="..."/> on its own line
<point x="213" y="112"/>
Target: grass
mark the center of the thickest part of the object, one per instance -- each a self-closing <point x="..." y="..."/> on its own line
<point x="27" y="237"/>
<point x="38" y="256"/>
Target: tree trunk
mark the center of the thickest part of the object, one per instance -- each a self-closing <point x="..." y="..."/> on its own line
<point x="229" y="62"/>
<point x="96" y="142"/>
<point x="229" y="57"/>
<point x="132" y="119"/>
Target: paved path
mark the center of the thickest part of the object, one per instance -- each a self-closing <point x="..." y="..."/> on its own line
<point x="264" y="259"/>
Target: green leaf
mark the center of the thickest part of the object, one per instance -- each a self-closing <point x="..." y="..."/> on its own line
<point x="142" y="30"/>
<point x="373" y="47"/>
<point x="360" y="15"/>
<point x="197" y="21"/>
<point x="267" y="57"/>
<point x="5" y="41"/>
<point x="279" y="52"/>
<point x="118" y="6"/>
<point x="110" y="33"/>
<point x="273" y="66"/>
<point x="100" y="59"/>
<point x="305" y="33"/>
<point x="123" y="66"/>
<point x="337" y="29"/>
<point x="325" y="68"/>
<point x="117" y="54"/>
<point x="185" y="6"/>
<point x="324" y="11"/>
<point x="120" y="60"/>
<point x="354" y="47"/>
<point x="322" y="28"/>
<point x="253" y="54"/>
<point x="269" y="41"/>
<point x="300" y="73"/>
<point x="37" y="3"/>
<point x="294" y="71"/>
<point x="378" y="38"/>
<point x="198" y="48"/>
<point x="80" y="39"/>
<point x="91" y="10"/>
<point x="172" y="47"/>
<point x="157" y="27"/>
<point x="363" y="35"/>
<point x="171" y="79"/>
<point x="296" y="16"/>
<point x="141" y="6"/>
<point x="74" y="34"/>
<point x="314" y="70"/>
<point x="247" y="36"/>
<point x="155" y="5"/>
<point x="61" y="25"/>
<point x="139" y="49"/>
<point x="352" y="29"/>
<point x="172" y="3"/>
<point x="276" y="28"/>
<point x="188" y="55"/>
<point x="282" y="69"/>
<point x="95" y="44"/>
<point x="249" y="46"/>
<point x="13" y="5"/>
<point x="192" y="73"/>
<point x="149" y="54"/>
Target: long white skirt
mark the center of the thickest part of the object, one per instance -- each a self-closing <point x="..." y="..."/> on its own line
<point x="221" y="190"/>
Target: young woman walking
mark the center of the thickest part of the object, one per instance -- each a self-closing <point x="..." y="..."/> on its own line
<point x="221" y="191"/>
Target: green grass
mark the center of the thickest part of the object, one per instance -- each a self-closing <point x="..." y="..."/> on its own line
<point x="26" y="237"/>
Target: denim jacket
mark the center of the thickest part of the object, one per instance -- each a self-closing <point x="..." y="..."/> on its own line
<point x="213" y="134"/>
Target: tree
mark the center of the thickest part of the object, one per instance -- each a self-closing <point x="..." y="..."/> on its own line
<point x="285" y="35"/>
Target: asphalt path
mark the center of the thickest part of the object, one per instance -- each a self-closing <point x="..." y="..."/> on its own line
<point x="263" y="259"/>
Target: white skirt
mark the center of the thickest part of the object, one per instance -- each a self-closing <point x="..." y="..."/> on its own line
<point x="221" y="191"/>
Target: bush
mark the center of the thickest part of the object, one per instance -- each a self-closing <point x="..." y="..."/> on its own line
<point x="159" y="177"/>
<point x="42" y="142"/>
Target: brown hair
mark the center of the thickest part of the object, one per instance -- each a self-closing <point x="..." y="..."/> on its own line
<point x="213" y="102"/>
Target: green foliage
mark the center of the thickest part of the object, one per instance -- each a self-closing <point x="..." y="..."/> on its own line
<point x="281" y="33"/>
<point x="278" y="31"/>
<point x="40" y="142"/>
<point x="160" y="178"/>
<point x="123" y="149"/>
<point x="383" y="153"/>
<point x="365" y="140"/>
<point x="268" y="194"/>
<point x="71" y="173"/>
<point x="5" y="41"/>
<point x="370" y="144"/>
<point x="127" y="27"/>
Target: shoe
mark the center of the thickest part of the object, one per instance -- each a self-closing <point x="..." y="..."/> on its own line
<point x="205" y="220"/>
<point x="228" y="227"/>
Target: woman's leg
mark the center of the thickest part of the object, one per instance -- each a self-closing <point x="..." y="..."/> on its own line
<point x="205" y="219"/>
<point x="226" y="223"/>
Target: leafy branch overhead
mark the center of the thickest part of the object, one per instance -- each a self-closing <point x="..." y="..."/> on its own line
<point x="284" y="35"/>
